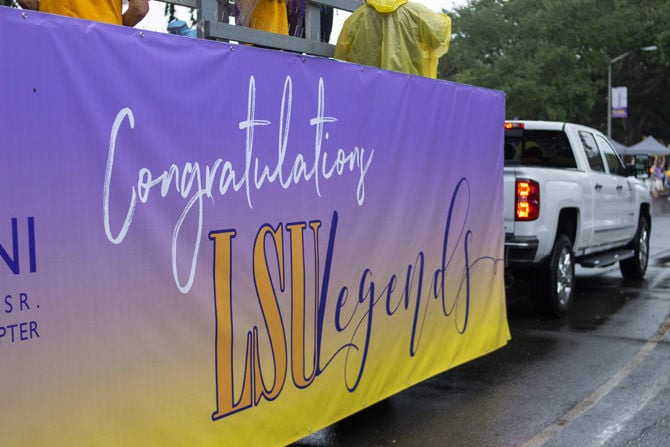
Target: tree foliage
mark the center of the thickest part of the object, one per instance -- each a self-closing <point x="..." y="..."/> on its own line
<point x="551" y="58"/>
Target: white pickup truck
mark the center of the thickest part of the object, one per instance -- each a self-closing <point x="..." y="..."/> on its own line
<point x="569" y="199"/>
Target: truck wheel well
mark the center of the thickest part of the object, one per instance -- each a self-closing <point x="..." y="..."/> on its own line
<point x="567" y="224"/>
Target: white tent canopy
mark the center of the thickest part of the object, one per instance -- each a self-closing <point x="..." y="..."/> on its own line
<point x="649" y="146"/>
<point x="620" y="148"/>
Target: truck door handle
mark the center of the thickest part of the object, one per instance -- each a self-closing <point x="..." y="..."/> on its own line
<point x="599" y="186"/>
<point x="619" y="187"/>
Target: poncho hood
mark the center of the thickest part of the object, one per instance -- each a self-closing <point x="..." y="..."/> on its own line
<point x="385" y="6"/>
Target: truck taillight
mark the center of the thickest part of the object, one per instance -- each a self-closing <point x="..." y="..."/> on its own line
<point x="511" y="125"/>
<point x="527" y="200"/>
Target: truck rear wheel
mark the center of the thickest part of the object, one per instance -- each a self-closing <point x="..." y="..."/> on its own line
<point x="552" y="288"/>
<point x="636" y="267"/>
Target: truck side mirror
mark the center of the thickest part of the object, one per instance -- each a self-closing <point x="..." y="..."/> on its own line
<point x="642" y="165"/>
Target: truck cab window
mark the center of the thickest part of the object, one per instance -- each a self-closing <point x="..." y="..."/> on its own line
<point x="614" y="163"/>
<point x="543" y="148"/>
<point x="592" y="152"/>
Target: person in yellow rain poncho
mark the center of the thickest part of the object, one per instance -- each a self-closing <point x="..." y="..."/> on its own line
<point x="396" y="35"/>
<point x="264" y="15"/>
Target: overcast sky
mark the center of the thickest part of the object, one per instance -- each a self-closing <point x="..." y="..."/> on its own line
<point x="156" y="21"/>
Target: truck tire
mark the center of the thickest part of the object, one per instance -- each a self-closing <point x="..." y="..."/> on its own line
<point x="552" y="288"/>
<point x="636" y="267"/>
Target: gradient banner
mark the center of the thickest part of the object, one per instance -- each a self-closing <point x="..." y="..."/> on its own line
<point x="204" y="243"/>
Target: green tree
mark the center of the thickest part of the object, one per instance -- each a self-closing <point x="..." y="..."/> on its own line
<point x="551" y="58"/>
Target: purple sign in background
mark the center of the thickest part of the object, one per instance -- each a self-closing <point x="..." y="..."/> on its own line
<point x="204" y="243"/>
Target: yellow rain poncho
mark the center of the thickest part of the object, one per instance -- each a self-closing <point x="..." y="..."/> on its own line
<point x="395" y="35"/>
<point x="264" y="15"/>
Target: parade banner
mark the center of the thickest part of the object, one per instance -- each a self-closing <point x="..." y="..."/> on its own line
<point x="209" y="244"/>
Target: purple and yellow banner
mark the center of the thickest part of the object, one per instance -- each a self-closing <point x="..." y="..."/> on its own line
<point x="204" y="243"/>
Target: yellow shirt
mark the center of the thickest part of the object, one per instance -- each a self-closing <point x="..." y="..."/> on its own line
<point x="108" y="11"/>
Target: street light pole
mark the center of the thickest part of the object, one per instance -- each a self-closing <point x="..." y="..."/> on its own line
<point x="609" y="84"/>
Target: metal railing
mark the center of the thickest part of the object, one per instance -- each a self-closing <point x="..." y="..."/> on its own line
<point x="213" y="22"/>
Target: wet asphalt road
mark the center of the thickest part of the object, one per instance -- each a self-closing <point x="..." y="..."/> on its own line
<point x="599" y="377"/>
